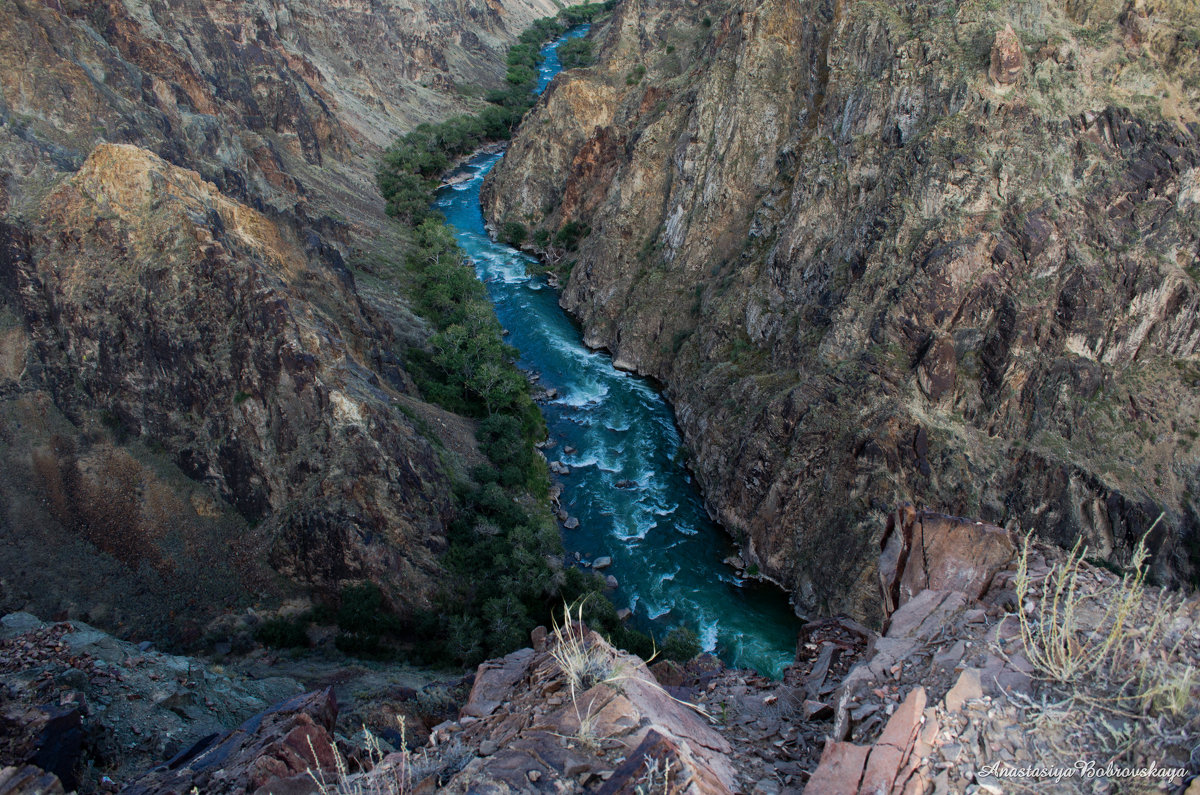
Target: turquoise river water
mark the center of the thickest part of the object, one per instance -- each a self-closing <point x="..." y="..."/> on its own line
<point x="667" y="554"/>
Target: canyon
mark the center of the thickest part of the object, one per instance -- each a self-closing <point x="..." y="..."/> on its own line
<point x="918" y="280"/>
<point x="942" y="253"/>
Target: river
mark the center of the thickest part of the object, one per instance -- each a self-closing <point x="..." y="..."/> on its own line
<point x="613" y="428"/>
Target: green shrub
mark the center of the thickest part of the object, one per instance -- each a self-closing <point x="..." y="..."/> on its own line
<point x="681" y="644"/>
<point x="571" y="233"/>
<point x="575" y="54"/>
<point x="513" y="233"/>
<point x="586" y="12"/>
<point x="362" y="610"/>
<point x="283" y="633"/>
<point x="635" y="75"/>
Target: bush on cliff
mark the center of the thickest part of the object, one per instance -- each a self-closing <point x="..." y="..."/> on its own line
<point x="575" y="53"/>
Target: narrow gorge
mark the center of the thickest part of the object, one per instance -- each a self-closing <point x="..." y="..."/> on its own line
<point x="623" y="484"/>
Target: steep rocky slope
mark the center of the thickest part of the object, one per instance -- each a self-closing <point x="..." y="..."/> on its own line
<point x="201" y="305"/>
<point x="894" y="250"/>
<point x="196" y="322"/>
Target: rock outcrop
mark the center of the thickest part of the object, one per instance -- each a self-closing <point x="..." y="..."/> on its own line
<point x="570" y="712"/>
<point x="958" y="693"/>
<point x="867" y="275"/>
<point x="197" y="322"/>
<point x="271" y="752"/>
<point x="75" y="698"/>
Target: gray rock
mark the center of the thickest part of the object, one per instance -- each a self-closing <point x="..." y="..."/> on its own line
<point x="15" y="624"/>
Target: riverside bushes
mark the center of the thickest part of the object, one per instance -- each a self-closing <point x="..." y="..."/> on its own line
<point x="575" y="54"/>
<point x="504" y="550"/>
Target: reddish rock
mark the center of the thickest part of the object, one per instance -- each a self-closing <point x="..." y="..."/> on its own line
<point x="273" y="751"/>
<point x="921" y="618"/>
<point x="967" y="688"/>
<point x="668" y="673"/>
<point x="686" y="773"/>
<point x="1007" y="60"/>
<point x="840" y="770"/>
<point x="902" y="728"/>
<point x="885" y="767"/>
<point x="930" y="551"/>
<point x="494" y="680"/>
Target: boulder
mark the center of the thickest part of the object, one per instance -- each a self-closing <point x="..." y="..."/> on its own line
<point x="924" y="550"/>
<point x="271" y="752"/>
<point x="659" y="753"/>
<point x="493" y="680"/>
<point x="1007" y="60"/>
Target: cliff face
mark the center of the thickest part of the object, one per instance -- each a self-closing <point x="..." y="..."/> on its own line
<point x="201" y="306"/>
<point x="195" y="321"/>
<point x="894" y="251"/>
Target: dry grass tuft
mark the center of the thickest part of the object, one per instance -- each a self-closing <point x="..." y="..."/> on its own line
<point x="1117" y="657"/>
<point x="657" y="779"/>
<point x="386" y="774"/>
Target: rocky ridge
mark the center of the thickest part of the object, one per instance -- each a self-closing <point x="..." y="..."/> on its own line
<point x="279" y="413"/>
<point x="952" y="696"/>
<point x="939" y="253"/>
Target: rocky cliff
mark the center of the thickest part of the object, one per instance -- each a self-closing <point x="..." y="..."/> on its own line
<point x="201" y="306"/>
<point x="944" y="252"/>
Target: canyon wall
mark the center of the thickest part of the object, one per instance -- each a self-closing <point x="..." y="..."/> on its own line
<point x="938" y="252"/>
<point x="202" y="303"/>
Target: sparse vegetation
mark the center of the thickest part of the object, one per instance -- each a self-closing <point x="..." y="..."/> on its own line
<point x="513" y="233"/>
<point x="1111" y="652"/>
<point x="283" y="632"/>
<point x="382" y="773"/>
<point x="571" y="233"/>
<point x="1056" y="639"/>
